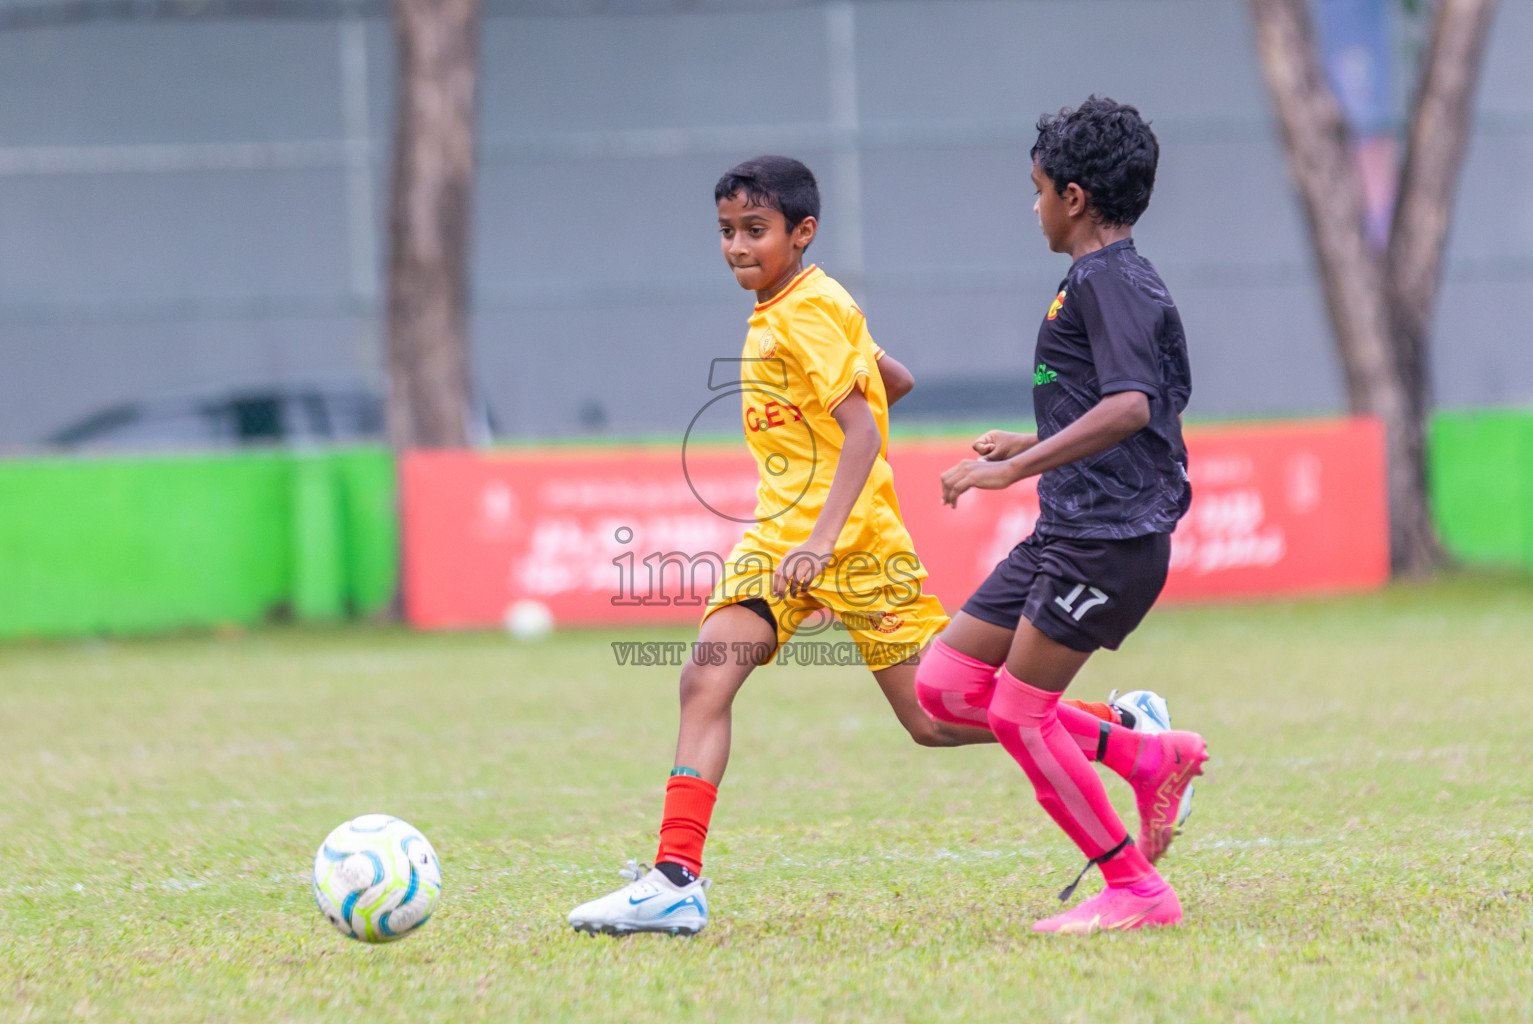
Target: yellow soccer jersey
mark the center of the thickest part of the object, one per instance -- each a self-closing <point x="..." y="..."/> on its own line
<point x="806" y="350"/>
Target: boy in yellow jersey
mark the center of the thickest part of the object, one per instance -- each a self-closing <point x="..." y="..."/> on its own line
<point x="827" y="538"/>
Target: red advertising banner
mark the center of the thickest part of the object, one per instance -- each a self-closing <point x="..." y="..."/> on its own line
<point x="632" y="536"/>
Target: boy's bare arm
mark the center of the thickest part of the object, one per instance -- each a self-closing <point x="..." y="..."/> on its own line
<point x="859" y="451"/>
<point x="898" y="381"/>
<point x="1000" y="445"/>
<point x="1105" y="424"/>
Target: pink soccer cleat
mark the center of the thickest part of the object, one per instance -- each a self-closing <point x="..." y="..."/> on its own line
<point x="1148" y="903"/>
<point x="1159" y="790"/>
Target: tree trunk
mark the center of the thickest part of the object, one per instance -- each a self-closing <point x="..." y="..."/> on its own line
<point x="1380" y="308"/>
<point x="1436" y="143"/>
<point x="1319" y="147"/>
<point x="429" y="208"/>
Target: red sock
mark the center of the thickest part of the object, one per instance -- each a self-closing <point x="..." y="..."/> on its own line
<point x="1106" y="712"/>
<point x="684" y="825"/>
<point x="1026" y="720"/>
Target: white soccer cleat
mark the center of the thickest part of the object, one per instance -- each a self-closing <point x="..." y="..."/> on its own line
<point x="649" y="903"/>
<point x="1146" y="709"/>
<point x="1149" y="713"/>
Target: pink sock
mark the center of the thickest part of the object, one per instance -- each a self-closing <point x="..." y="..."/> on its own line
<point x="1026" y="721"/>
<point x="1119" y="749"/>
<point x="953" y="687"/>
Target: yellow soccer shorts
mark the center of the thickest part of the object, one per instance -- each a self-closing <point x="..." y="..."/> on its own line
<point x="868" y="605"/>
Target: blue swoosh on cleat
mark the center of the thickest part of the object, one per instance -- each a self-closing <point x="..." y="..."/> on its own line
<point x="691" y="901"/>
<point x="634" y="903"/>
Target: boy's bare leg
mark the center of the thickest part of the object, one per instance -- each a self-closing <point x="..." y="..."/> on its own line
<point x="671" y="897"/>
<point x="973" y="637"/>
<point x="899" y="685"/>
<point x="708" y="691"/>
<point x="966" y="661"/>
<point x="1040" y="661"/>
<point x="980" y="640"/>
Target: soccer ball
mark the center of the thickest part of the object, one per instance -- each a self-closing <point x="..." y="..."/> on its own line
<point x="376" y="878"/>
<point x="529" y="620"/>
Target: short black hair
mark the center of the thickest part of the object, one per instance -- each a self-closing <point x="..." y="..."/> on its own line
<point x="779" y="183"/>
<point x="1107" y="149"/>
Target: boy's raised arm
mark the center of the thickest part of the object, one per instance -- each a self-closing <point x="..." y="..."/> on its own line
<point x="1111" y="420"/>
<point x="898" y="381"/>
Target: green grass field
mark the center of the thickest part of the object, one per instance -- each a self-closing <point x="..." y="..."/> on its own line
<point x="1359" y="849"/>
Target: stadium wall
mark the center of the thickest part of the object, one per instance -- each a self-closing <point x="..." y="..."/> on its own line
<point x="149" y="544"/>
<point x="191" y="202"/>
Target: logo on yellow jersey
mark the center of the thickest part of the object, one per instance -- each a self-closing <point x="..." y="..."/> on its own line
<point x="1059" y="301"/>
<point x="766" y="344"/>
<point x="772" y="414"/>
<point x="788" y="456"/>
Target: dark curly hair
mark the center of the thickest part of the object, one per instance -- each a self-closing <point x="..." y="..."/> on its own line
<point x="778" y="183"/>
<point x="1107" y="149"/>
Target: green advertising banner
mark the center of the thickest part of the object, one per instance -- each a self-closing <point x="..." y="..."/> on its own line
<point x="1481" y="467"/>
<point x="103" y="545"/>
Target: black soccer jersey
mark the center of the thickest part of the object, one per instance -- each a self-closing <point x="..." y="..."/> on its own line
<point x="1111" y="328"/>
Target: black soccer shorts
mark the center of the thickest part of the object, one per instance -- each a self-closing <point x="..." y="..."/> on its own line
<point x="1082" y="593"/>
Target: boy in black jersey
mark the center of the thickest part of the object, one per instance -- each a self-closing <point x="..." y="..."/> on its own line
<point x="1110" y="382"/>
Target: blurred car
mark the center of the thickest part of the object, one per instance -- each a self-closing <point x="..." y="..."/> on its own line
<point x="277" y="414"/>
<point x="270" y="415"/>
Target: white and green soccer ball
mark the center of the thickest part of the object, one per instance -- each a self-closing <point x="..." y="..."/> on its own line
<point x="376" y="878"/>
